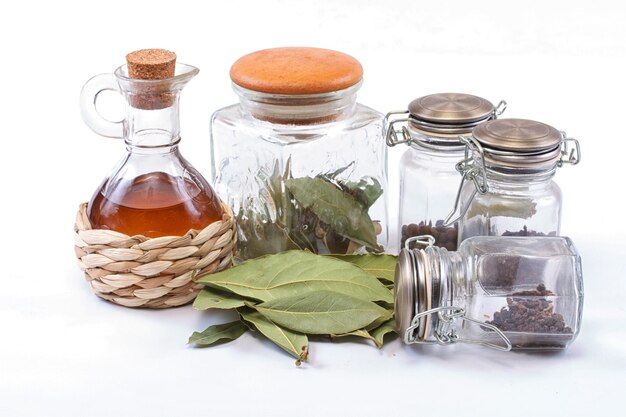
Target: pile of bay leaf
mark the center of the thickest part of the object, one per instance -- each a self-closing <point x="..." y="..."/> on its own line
<point x="323" y="214"/>
<point x="292" y="295"/>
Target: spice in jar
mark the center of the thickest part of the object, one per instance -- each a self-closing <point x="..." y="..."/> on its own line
<point x="445" y="236"/>
<point x="531" y="312"/>
<point x="525" y="232"/>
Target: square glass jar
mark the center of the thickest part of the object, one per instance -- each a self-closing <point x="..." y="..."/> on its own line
<point x="301" y="169"/>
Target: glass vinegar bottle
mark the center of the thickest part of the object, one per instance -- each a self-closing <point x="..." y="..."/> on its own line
<point x="153" y="191"/>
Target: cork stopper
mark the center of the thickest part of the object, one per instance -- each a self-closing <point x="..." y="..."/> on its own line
<point x="296" y="71"/>
<point x="152" y="64"/>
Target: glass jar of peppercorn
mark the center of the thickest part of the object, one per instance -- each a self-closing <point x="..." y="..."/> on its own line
<point x="502" y="292"/>
<point x="428" y="178"/>
<point x="507" y="187"/>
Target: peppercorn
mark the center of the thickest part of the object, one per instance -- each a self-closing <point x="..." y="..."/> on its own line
<point x="533" y="315"/>
<point x="445" y="237"/>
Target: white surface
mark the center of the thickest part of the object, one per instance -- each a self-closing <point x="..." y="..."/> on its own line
<point x="66" y="353"/>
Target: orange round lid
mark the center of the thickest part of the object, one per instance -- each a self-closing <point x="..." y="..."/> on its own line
<point x="296" y="71"/>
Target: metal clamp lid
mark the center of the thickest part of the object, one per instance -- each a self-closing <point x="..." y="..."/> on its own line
<point x="445" y="334"/>
<point x="443" y="116"/>
<point x="451" y="108"/>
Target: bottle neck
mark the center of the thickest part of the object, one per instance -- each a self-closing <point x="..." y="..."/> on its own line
<point x="449" y="274"/>
<point x="152" y="108"/>
<point x="442" y="144"/>
<point x="298" y="109"/>
<point x="152" y="130"/>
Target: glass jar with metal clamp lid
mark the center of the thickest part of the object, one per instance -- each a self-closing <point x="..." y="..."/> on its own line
<point x="507" y="187"/>
<point x="507" y="293"/>
<point x="428" y="178"/>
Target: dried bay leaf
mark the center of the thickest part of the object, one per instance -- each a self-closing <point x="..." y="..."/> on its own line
<point x="367" y="190"/>
<point x="380" y="266"/>
<point x="293" y="343"/>
<point x="322" y="312"/>
<point x="360" y="333"/>
<point x="384" y="329"/>
<point x="383" y="304"/>
<point x="212" y="298"/>
<point x="296" y="273"/>
<point x="380" y="321"/>
<point x="337" y="208"/>
<point x="215" y="333"/>
<point x="270" y="238"/>
<point x="279" y="221"/>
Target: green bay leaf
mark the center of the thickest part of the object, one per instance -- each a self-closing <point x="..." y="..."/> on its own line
<point x="360" y="333"/>
<point x="380" y="321"/>
<point x="296" y="273"/>
<point x="259" y="235"/>
<point x="337" y="208"/>
<point x="322" y="312"/>
<point x="380" y="266"/>
<point x="218" y="332"/>
<point x="367" y="190"/>
<point x="292" y="342"/>
<point x="384" y="329"/>
<point x="212" y="298"/>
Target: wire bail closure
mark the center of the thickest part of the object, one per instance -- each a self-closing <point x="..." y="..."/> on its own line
<point x="445" y="333"/>
<point x="500" y="108"/>
<point x="470" y="171"/>
<point x="392" y="137"/>
<point x="426" y="240"/>
<point x="569" y="156"/>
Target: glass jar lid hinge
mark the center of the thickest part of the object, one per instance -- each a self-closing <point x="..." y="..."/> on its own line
<point x="396" y="136"/>
<point x="500" y="108"/>
<point x="569" y="155"/>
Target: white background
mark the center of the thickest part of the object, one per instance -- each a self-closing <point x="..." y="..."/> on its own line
<point x="63" y="352"/>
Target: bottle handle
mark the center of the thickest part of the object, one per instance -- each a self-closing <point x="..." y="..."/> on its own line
<point x="89" y="111"/>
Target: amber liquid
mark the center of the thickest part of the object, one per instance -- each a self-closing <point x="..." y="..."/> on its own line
<point x="154" y="205"/>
